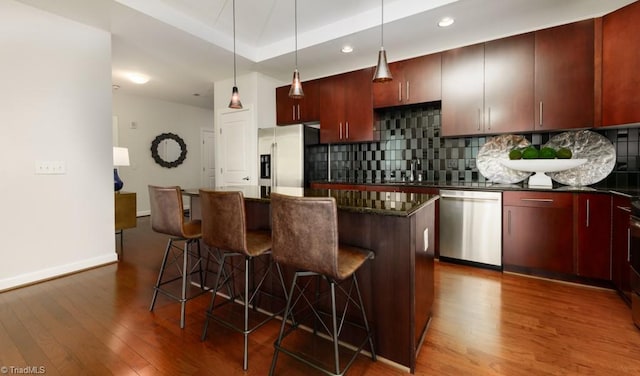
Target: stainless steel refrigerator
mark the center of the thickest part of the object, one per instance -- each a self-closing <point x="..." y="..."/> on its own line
<point x="282" y="152"/>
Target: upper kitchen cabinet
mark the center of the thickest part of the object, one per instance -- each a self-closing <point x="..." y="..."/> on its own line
<point x="620" y="62"/>
<point x="416" y="80"/>
<point x="295" y="111"/>
<point x="346" y="109"/>
<point x="488" y="88"/>
<point x="462" y="90"/>
<point x="564" y="76"/>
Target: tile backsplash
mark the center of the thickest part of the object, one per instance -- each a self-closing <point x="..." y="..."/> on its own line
<point x="413" y="134"/>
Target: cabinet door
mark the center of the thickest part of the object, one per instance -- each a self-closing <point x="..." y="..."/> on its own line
<point x="422" y="79"/>
<point x="358" y="106"/>
<point x="538" y="232"/>
<point x="389" y="93"/>
<point x="286" y="108"/>
<point x="332" y="109"/>
<point x="620" y="62"/>
<point x="564" y="76"/>
<point x="462" y="90"/>
<point x="593" y="242"/>
<point x="295" y="111"/>
<point x="620" y="268"/>
<point x="508" y="84"/>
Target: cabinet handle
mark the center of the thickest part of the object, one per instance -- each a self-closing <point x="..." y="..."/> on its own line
<point x="298" y="112"/>
<point x="399" y="91"/>
<point x="537" y="199"/>
<point x="341" y="130"/>
<point x="509" y="222"/>
<point x="347" y="130"/>
<point x="407" y="90"/>
<point x="293" y="112"/>
<point x="540" y="122"/>
<point x="479" y="116"/>
<point x="588" y="213"/>
<point x="489" y="118"/>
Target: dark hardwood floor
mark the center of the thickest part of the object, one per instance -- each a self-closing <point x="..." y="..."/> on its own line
<point x="484" y="323"/>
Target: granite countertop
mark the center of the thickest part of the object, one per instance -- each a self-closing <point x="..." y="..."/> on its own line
<point x="489" y="186"/>
<point x="383" y="203"/>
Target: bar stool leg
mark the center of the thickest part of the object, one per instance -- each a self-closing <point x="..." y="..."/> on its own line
<point x="278" y="342"/>
<point x="213" y="297"/>
<point x="185" y="275"/>
<point x="336" y="355"/>
<point x="162" y="267"/>
<point x="364" y="318"/>
<point x="245" y="357"/>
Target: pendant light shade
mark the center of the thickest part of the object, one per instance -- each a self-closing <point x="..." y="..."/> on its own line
<point x="235" y="99"/>
<point x="235" y="96"/>
<point x="382" y="73"/>
<point x="296" y="91"/>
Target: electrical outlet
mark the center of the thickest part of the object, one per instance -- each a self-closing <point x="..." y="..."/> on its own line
<point x="452" y="163"/>
<point x="51" y="168"/>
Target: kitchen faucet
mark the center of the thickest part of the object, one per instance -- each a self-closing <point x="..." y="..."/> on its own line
<point x="413" y="173"/>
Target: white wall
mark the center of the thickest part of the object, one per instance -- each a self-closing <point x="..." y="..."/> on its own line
<point x="153" y="117"/>
<point x="56" y="106"/>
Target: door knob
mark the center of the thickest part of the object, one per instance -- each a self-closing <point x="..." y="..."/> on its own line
<point x="245" y="178"/>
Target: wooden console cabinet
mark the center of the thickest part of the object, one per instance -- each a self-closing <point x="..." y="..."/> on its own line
<point x="125" y="214"/>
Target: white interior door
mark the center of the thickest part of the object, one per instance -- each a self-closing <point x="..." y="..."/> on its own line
<point x="208" y="177"/>
<point x="237" y="148"/>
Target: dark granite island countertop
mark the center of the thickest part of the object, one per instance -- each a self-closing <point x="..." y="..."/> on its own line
<point x="398" y="284"/>
<point x="382" y="203"/>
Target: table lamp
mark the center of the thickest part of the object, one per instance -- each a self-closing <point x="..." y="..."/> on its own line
<point x="120" y="158"/>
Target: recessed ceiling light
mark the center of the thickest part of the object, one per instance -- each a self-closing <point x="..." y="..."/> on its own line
<point x="115" y="87"/>
<point x="446" y="21"/>
<point x="347" y="49"/>
<point x="138" y="78"/>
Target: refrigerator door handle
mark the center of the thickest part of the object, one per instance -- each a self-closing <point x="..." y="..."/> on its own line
<point x="274" y="176"/>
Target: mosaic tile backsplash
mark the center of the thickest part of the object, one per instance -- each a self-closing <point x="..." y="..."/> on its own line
<point x="411" y="137"/>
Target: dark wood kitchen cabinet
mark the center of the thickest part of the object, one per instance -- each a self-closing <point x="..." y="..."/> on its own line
<point x="620" y="267"/>
<point x="620" y="62"/>
<point x="592" y="212"/>
<point x="462" y="90"/>
<point x="346" y="107"/>
<point x="488" y="88"/>
<point x="295" y="111"/>
<point x="537" y="235"/>
<point x="416" y="80"/>
<point x="564" y="76"/>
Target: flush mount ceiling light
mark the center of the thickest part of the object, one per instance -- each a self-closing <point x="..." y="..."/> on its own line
<point x="446" y="21"/>
<point x="296" y="91"/>
<point x="235" y="96"/>
<point x="138" y="78"/>
<point x="382" y="73"/>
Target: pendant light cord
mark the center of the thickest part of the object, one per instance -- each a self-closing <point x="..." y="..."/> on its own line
<point x="295" y="22"/>
<point x="381" y="24"/>
<point x="234" y="43"/>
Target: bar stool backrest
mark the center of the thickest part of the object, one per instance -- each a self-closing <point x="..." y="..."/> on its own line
<point x="223" y="220"/>
<point x="305" y="233"/>
<point x="167" y="216"/>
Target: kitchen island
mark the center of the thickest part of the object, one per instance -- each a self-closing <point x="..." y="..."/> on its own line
<point x="398" y="285"/>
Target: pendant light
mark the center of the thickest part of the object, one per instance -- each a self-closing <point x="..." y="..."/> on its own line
<point x="296" y="91"/>
<point x="382" y="73"/>
<point x="235" y="96"/>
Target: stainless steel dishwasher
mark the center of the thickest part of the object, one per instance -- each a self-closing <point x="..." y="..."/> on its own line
<point x="471" y="227"/>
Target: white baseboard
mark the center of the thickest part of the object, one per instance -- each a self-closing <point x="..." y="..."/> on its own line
<point x="54" y="272"/>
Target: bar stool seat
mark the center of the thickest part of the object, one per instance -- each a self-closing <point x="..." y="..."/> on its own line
<point x="167" y="217"/>
<point x="224" y="229"/>
<point x="305" y="237"/>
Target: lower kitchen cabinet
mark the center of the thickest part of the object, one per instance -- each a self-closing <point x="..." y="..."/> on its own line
<point x="593" y="235"/>
<point x="620" y="268"/>
<point x="537" y="234"/>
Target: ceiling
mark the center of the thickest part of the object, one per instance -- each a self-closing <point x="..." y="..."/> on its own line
<point x="184" y="46"/>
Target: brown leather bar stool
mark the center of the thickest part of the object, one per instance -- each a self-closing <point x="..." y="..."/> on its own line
<point x="305" y="237"/>
<point x="224" y="228"/>
<point x="167" y="217"/>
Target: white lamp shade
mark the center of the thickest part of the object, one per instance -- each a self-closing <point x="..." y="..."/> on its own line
<point x="120" y="156"/>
